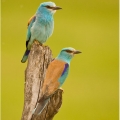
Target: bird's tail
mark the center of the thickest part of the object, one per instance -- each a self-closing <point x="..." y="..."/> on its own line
<point x="41" y="105"/>
<point x="25" y="56"/>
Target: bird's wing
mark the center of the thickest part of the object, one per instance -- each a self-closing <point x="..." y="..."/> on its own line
<point x="30" y="23"/>
<point x="30" y="20"/>
<point x="55" y="70"/>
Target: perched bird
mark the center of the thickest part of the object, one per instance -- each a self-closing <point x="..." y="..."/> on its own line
<point x="40" y="26"/>
<point x="56" y="74"/>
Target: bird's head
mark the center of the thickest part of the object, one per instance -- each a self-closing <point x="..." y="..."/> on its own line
<point x="67" y="54"/>
<point x="48" y="7"/>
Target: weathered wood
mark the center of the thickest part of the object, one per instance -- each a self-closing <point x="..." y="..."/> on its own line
<point x="38" y="61"/>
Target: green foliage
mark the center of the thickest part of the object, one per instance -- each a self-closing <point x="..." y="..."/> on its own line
<point x="91" y="26"/>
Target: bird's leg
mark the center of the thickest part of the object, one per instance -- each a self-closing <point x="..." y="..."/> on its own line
<point x="37" y="42"/>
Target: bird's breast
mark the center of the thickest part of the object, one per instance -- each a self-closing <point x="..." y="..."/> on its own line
<point x="41" y="31"/>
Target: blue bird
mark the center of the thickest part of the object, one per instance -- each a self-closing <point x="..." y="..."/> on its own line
<point x="40" y="26"/>
<point x="55" y="76"/>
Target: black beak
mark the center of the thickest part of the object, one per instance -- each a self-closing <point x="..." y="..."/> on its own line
<point x="77" y="52"/>
<point x="56" y="8"/>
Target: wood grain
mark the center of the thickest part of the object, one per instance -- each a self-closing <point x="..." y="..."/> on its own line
<point x="39" y="58"/>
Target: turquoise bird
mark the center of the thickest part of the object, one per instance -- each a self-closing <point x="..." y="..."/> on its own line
<point x="56" y="74"/>
<point x="40" y="26"/>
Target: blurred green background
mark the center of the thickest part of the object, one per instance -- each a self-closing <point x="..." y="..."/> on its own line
<point x="91" y="26"/>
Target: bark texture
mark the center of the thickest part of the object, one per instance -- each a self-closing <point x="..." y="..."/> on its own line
<point x="38" y="61"/>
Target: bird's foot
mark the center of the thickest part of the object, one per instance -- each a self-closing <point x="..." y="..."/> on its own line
<point x="37" y="42"/>
<point x="42" y="44"/>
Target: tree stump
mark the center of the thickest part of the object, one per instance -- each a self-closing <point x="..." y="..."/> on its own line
<point x="38" y="61"/>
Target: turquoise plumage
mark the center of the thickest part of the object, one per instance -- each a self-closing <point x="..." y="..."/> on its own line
<point x="56" y="74"/>
<point x="40" y="26"/>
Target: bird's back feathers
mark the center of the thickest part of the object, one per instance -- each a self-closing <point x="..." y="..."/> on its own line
<point x="55" y="70"/>
<point x="30" y="23"/>
<point x="41" y="105"/>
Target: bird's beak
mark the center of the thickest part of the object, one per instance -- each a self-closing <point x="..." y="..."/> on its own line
<point x="77" y="52"/>
<point x="56" y="8"/>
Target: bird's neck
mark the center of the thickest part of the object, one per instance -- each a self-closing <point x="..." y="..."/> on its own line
<point x="44" y="17"/>
<point x="66" y="59"/>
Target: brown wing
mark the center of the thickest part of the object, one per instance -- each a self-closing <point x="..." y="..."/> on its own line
<point x="54" y="72"/>
<point x="31" y="19"/>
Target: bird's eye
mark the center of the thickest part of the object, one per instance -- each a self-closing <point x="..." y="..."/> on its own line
<point x="69" y="51"/>
<point x="47" y="6"/>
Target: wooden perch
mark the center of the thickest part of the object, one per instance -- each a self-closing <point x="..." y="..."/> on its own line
<point x="38" y="61"/>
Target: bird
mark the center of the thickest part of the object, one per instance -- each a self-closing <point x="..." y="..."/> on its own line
<point x="40" y="26"/>
<point x="56" y="75"/>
